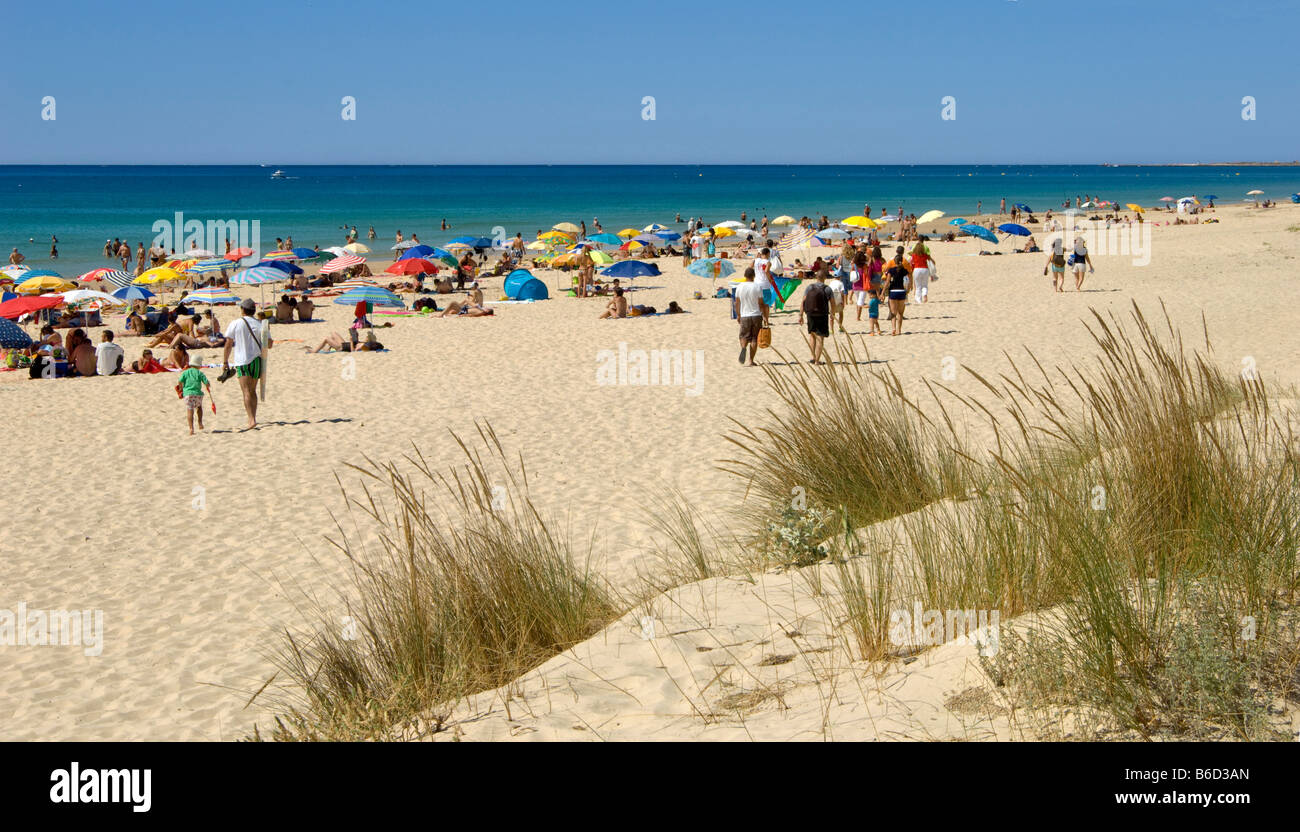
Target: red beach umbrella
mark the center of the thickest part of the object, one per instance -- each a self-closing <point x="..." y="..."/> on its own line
<point x="20" y="306"/>
<point x="415" y="265"/>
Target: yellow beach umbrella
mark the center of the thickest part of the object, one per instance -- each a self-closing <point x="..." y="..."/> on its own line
<point x="563" y="260"/>
<point x="784" y="219"/>
<point x="600" y="258"/>
<point x="628" y="233"/>
<point x="356" y="248"/>
<point x="567" y="227"/>
<point x="537" y="245"/>
<point x="723" y="231"/>
<point x="158" y="275"/>
<point x="556" y="236"/>
<point x="860" y="222"/>
<point x="929" y="216"/>
<point x="44" y="283"/>
<point x="633" y="245"/>
<point x="1134" y="206"/>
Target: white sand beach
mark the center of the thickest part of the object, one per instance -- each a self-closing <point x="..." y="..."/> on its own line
<point x="190" y="545"/>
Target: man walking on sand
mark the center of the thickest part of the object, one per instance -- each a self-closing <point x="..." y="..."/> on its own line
<point x="751" y="311"/>
<point x="817" y="311"/>
<point x="244" y="352"/>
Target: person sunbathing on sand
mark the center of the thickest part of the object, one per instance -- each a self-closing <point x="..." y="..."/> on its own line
<point x="456" y="308"/>
<point x="178" y="358"/>
<point x="335" y="343"/>
<point x="147" y="364"/>
<point x="168" y="335"/>
<point x="617" y="307"/>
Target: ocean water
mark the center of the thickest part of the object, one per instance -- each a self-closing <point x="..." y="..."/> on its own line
<point x="84" y="205"/>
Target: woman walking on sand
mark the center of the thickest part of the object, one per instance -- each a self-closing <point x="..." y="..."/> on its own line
<point x="898" y="279"/>
<point x="922" y="270"/>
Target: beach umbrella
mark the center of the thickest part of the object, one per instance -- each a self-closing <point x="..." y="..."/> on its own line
<point x="79" y="296"/>
<point x="197" y="253"/>
<point x="784" y="219"/>
<point x="44" y="283"/>
<point x="404" y="245"/>
<point x="712" y="267"/>
<point x="929" y="216"/>
<point x="606" y="239"/>
<point x="305" y="253"/>
<point x="117" y="277"/>
<point x="859" y="222"/>
<point x="654" y="226"/>
<point x="720" y="231"/>
<point x="1023" y="207"/>
<point x="38" y="273"/>
<point x="1210" y="197"/>
<point x="668" y="235"/>
<point x="1013" y="229"/>
<point x="376" y="295"/>
<point x="4" y="296"/>
<point x="632" y="245"/>
<point x="600" y="258"/>
<point x="462" y="247"/>
<point x="15" y="271"/>
<point x="418" y="251"/>
<point x="465" y="239"/>
<point x="212" y="264"/>
<point x="567" y="227"/>
<point x="258" y="275"/>
<point x="795" y="238"/>
<point x="979" y="231"/>
<point x="549" y="236"/>
<point x="631" y="268"/>
<point x="1166" y="199"/>
<point x="12" y="336"/>
<point x="21" y="306"/>
<point x="628" y="233"/>
<point x="1135" y="207"/>
<point x="337" y="251"/>
<point x="178" y="265"/>
<point x="355" y="283"/>
<point x="279" y="255"/>
<point x="133" y="293"/>
<point x="1254" y="193"/>
<point x="283" y="265"/>
<point x="93" y="275"/>
<point x="958" y="221"/>
<point x="537" y="245"/>
<point x="731" y="224"/>
<point x="831" y="234"/>
<point x="356" y="248"/>
<point x="415" y="265"/>
<point x="339" y="264"/>
<point x="211" y="294"/>
<point x="482" y="242"/>
<point x="239" y="254"/>
<point x="159" y="275"/>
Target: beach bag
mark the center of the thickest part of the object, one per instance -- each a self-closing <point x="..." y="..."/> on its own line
<point x="765" y="338"/>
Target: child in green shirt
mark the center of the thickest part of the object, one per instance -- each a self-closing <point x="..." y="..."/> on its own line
<point x="190" y="388"/>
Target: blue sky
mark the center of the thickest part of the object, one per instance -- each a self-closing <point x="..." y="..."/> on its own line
<point x="1035" y="81"/>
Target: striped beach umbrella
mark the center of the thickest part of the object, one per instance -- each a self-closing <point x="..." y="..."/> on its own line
<point x="212" y="264"/>
<point x="258" y="275"/>
<point x="133" y="292"/>
<point x="795" y="238"/>
<point x="280" y="255"/>
<point x="212" y="294"/>
<point x="355" y="283"/>
<point x="713" y="267"/>
<point x="341" y="264"/>
<point x="376" y="295"/>
<point x="15" y="272"/>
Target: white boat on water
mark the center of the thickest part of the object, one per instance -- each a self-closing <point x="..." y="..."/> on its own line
<point x="279" y="174"/>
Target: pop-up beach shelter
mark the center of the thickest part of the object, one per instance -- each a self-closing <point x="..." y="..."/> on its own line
<point x="521" y="285"/>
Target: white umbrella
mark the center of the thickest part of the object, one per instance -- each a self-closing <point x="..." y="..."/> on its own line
<point x="402" y="246"/>
<point x="832" y="234"/>
<point x="198" y="252"/>
<point x="731" y="224"/>
<point x="337" y="251"/>
<point x="83" y="295"/>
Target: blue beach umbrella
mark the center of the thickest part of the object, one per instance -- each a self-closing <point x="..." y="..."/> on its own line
<point x="375" y="295"/>
<point x="417" y="251"/>
<point x="306" y="253"/>
<point x="653" y="239"/>
<point x="668" y="235"/>
<point x="1023" y="207"/>
<point x="12" y="336"/>
<point x="27" y="275"/>
<point x="958" y="221"/>
<point x="4" y="296"/>
<point x="979" y="231"/>
<point x="133" y="293"/>
<point x="630" y="268"/>
<point x="283" y="265"/>
<point x="606" y="239"/>
<point x="465" y="241"/>
<point x="714" y="267"/>
<point x="480" y="242"/>
<point x="1013" y="229"/>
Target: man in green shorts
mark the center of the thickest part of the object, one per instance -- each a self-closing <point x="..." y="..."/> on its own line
<point x="244" y="353"/>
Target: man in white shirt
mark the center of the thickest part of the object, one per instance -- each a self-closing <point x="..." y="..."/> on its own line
<point x="763" y="269"/>
<point x="751" y="311"/>
<point x="244" y="353"/>
<point x="108" y="356"/>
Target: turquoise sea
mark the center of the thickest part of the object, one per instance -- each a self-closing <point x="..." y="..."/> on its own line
<point x="84" y="205"/>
